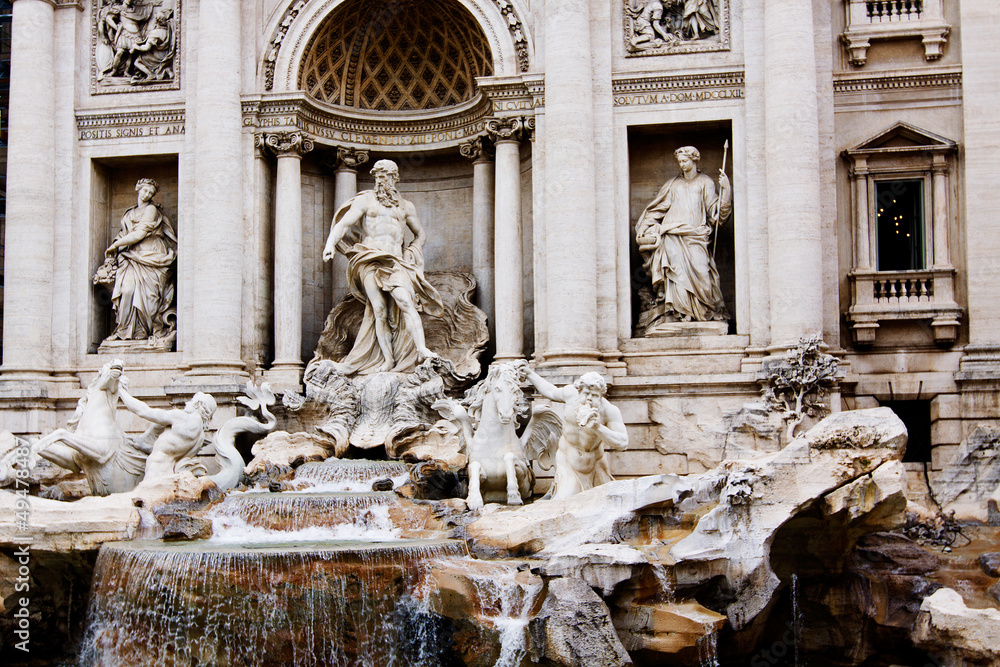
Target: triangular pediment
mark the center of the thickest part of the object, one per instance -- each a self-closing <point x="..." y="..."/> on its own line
<point x="902" y="136"/>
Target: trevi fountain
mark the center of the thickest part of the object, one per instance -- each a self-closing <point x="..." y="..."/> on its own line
<point x="432" y="333"/>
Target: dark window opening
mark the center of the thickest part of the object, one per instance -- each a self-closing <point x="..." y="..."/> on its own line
<point x="916" y="415"/>
<point x="900" y="214"/>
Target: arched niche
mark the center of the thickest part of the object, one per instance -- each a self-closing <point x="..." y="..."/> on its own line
<point x="310" y="17"/>
<point x="491" y="40"/>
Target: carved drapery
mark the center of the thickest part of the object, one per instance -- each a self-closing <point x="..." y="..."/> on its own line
<point x="396" y="56"/>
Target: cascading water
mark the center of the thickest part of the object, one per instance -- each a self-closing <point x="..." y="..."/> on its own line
<point x="190" y="603"/>
<point x="287" y="579"/>
<point x="346" y="475"/>
<point x="664" y="584"/>
<point x="795" y="616"/>
<point x="708" y="648"/>
<point x="270" y="517"/>
<point x="503" y="601"/>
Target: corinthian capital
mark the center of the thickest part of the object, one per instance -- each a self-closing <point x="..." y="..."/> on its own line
<point x="505" y="129"/>
<point x="284" y="143"/>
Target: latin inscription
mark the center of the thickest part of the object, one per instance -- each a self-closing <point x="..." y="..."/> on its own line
<point x="679" y="96"/>
<point x="131" y="131"/>
<point x="366" y="138"/>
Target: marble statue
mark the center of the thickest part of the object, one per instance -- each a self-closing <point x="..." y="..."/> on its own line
<point x="673" y="235"/>
<point x="499" y="465"/>
<point x="386" y="274"/>
<point x="590" y="423"/>
<point x="174" y="434"/>
<point x="136" y="42"/>
<point x="94" y="443"/>
<point x="154" y="55"/>
<point x="139" y="267"/>
<point x="230" y="460"/>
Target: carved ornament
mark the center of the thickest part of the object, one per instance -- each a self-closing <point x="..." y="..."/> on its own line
<point x="477" y="149"/>
<point x="665" y="27"/>
<point x="295" y="111"/>
<point x="505" y="129"/>
<point x="284" y="143"/>
<point x="351" y="158"/>
<point x="135" y="45"/>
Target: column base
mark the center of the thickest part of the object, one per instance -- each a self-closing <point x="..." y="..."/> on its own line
<point x="285" y="375"/>
<point x="567" y="365"/>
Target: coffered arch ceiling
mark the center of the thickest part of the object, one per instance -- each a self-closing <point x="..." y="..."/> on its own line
<point x="397" y="55"/>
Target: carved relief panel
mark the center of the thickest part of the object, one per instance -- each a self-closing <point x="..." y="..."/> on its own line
<point x="662" y="27"/>
<point x="135" y="45"/>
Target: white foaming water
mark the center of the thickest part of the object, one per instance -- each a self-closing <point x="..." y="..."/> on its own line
<point x="505" y="603"/>
<point x="374" y="525"/>
<point x="664" y="583"/>
<point x="343" y="485"/>
<point x="708" y="648"/>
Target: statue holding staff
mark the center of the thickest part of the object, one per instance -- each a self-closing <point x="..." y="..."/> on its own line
<point x="673" y="235"/>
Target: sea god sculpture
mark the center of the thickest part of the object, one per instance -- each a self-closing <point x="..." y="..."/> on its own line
<point x="139" y="268"/>
<point x="673" y="235"/>
<point x="385" y="274"/>
<point x="589" y="423"/>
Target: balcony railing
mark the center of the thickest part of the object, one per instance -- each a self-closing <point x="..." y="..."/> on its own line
<point x="878" y="296"/>
<point x="893" y="10"/>
<point x="893" y="19"/>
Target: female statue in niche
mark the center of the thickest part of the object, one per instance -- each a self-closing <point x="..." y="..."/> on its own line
<point x="139" y="265"/>
<point x="673" y="236"/>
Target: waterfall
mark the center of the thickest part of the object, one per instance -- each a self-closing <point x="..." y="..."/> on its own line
<point x="796" y="616"/>
<point x="191" y="603"/>
<point x="280" y="517"/>
<point x="501" y="600"/>
<point x="708" y="648"/>
<point x="664" y="584"/>
<point x="347" y="475"/>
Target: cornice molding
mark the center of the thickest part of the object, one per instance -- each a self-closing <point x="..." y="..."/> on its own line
<point x="895" y="80"/>
<point x="336" y="126"/>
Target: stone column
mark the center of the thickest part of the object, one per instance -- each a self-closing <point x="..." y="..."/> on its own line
<point x="942" y="249"/>
<point x="570" y="200"/>
<point x="27" y="326"/>
<point x="483" y="202"/>
<point x="795" y="252"/>
<point x="289" y="148"/>
<point x="508" y="263"/>
<point x="346" y="176"/>
<point x="215" y="346"/>
<point x="980" y="101"/>
<point x="862" y="224"/>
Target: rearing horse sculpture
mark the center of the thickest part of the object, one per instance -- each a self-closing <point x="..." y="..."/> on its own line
<point x="97" y="445"/>
<point x="498" y="458"/>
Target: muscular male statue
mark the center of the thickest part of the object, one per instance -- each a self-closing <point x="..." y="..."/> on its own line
<point x="385" y="274"/>
<point x="175" y="434"/>
<point x="589" y="423"/>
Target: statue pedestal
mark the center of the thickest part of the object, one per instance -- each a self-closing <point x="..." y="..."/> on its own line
<point x="668" y="329"/>
<point x="148" y="345"/>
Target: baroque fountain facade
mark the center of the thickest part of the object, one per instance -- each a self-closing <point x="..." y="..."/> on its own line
<point x="498" y="333"/>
